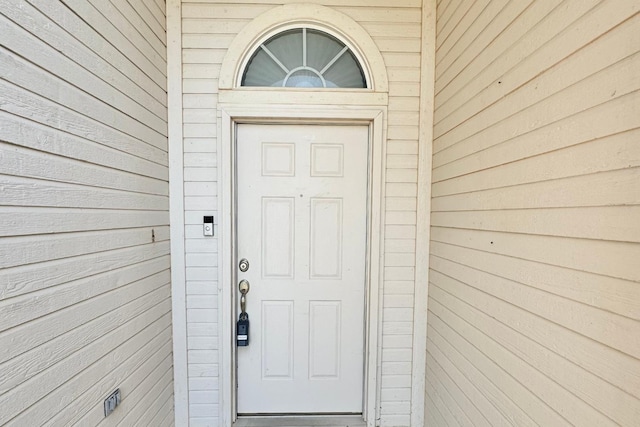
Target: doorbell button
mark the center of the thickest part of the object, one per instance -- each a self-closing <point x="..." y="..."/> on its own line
<point x="207" y="226"/>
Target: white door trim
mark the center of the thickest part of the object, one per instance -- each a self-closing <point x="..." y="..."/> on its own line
<point x="229" y="116"/>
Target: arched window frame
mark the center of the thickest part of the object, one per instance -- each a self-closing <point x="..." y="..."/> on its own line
<point x="314" y="16"/>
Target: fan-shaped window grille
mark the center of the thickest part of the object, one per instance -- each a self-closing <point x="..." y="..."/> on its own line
<point x="304" y="57"/>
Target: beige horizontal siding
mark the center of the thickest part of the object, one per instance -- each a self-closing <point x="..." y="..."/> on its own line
<point x="84" y="233"/>
<point x="534" y="301"/>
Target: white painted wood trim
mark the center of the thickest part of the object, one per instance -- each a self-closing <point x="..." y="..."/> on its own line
<point x="294" y="15"/>
<point x="373" y="373"/>
<point x="301" y="98"/>
<point x="423" y="226"/>
<point x="229" y="115"/>
<point x="176" y="203"/>
<point x="226" y="276"/>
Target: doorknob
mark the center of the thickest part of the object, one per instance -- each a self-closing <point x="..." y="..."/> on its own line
<point x="243" y="287"/>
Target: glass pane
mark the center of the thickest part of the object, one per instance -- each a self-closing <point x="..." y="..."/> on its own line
<point x="345" y="72"/>
<point x="263" y="71"/>
<point x="304" y="78"/>
<point x="321" y="49"/>
<point x="287" y="47"/>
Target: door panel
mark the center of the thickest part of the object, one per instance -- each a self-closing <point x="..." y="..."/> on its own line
<point x="301" y="223"/>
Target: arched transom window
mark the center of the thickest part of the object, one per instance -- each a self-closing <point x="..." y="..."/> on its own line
<point x="304" y="57"/>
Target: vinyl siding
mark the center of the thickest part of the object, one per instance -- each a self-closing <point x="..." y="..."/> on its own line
<point x="84" y="224"/>
<point x="534" y="300"/>
<point x="208" y="28"/>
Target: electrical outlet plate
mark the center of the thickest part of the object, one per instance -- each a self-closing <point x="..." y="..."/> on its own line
<point x="111" y="402"/>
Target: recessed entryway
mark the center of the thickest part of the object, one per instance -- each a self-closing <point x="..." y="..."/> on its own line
<point x="346" y="349"/>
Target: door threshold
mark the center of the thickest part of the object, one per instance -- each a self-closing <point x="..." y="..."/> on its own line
<point x="301" y="421"/>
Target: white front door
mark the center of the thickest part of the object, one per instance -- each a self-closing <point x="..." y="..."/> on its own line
<point x="302" y="225"/>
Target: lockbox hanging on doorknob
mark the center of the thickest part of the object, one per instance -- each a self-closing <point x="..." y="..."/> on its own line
<point x="242" y="327"/>
<point x="242" y="330"/>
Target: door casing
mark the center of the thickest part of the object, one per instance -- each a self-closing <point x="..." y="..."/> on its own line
<point x="230" y="115"/>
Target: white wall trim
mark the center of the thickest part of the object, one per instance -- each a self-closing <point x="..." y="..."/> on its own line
<point x="423" y="228"/>
<point x="230" y="115"/>
<point x="251" y="98"/>
<point x="226" y="272"/>
<point x="292" y="15"/>
<point x="176" y="203"/>
<point x="376" y="252"/>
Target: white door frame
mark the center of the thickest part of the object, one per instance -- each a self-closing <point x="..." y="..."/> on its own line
<point x="230" y="114"/>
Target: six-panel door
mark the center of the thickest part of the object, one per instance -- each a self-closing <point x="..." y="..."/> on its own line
<point x="302" y="225"/>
